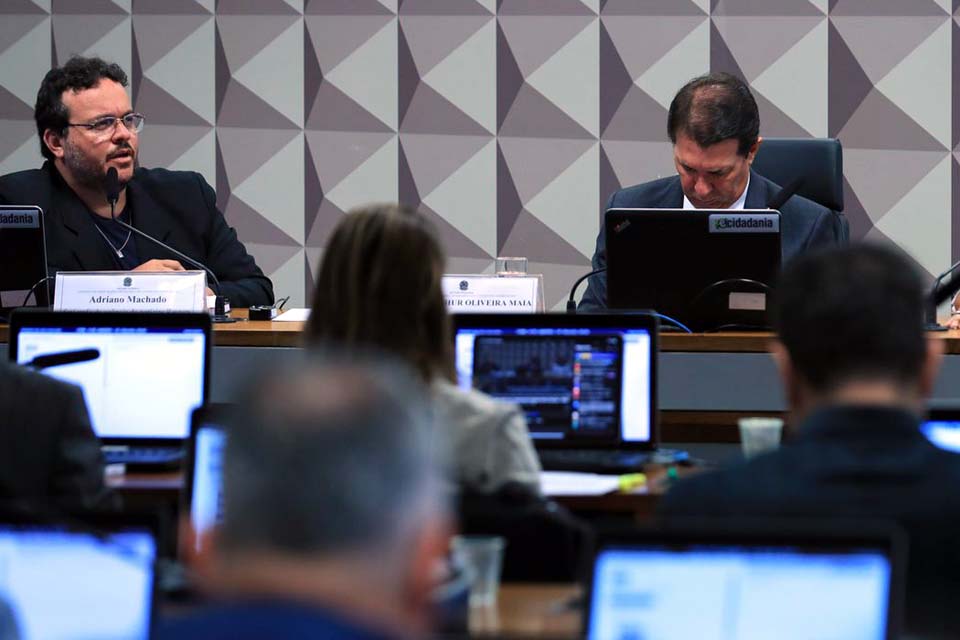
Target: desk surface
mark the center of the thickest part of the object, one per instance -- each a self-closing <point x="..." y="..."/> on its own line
<point x="247" y="333"/>
<point x="531" y="610"/>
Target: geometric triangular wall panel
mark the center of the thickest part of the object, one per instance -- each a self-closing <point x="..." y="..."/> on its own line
<point x="507" y="124"/>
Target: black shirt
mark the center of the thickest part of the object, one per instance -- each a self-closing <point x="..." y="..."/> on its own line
<point x="116" y="237"/>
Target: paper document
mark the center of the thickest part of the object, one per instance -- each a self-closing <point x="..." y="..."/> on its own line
<point x="571" y="483"/>
<point x="293" y="315"/>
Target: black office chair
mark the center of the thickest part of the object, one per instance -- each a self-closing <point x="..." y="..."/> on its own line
<point x="819" y="161"/>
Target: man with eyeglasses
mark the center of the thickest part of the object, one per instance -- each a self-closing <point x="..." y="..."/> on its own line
<point x="86" y="126"/>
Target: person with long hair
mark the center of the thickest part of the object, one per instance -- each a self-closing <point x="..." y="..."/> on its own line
<point x="379" y="287"/>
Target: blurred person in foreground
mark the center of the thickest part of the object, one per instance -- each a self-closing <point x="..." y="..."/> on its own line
<point x="333" y="521"/>
<point x="379" y="286"/>
<point x="857" y="369"/>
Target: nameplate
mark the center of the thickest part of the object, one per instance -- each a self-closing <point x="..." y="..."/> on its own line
<point x="481" y="293"/>
<point x="744" y="223"/>
<point x="130" y="291"/>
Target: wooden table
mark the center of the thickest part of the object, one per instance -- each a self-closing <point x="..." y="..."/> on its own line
<point x="531" y="610"/>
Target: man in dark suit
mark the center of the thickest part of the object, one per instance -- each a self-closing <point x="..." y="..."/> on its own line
<point x="48" y="451"/>
<point x="714" y="126"/>
<point x="334" y="518"/>
<point x="87" y="126"/>
<point x="857" y="368"/>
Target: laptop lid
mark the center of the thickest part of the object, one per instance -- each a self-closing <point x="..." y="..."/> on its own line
<point x="74" y="581"/>
<point x="585" y="381"/>
<point x="942" y="426"/>
<point x="203" y="489"/>
<point x="23" y="279"/>
<point x="709" y="269"/>
<point x="142" y="374"/>
<point x="748" y="579"/>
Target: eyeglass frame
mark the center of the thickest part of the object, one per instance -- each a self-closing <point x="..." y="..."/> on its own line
<point x="92" y="126"/>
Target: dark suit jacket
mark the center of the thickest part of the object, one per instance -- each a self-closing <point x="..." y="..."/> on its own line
<point x="804" y="224"/>
<point x="176" y="207"/>
<point x="855" y="462"/>
<point x="255" y="620"/>
<point x="48" y="451"/>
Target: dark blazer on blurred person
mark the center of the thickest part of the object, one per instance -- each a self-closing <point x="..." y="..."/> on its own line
<point x="48" y="451"/>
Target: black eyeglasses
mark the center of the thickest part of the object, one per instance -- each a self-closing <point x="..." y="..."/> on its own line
<point x="132" y="121"/>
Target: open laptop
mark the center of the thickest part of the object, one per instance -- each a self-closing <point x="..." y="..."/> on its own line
<point x="60" y="581"/>
<point x="709" y="269"/>
<point x="586" y="383"/>
<point x="142" y="374"/>
<point x="203" y="489"/>
<point x="23" y="279"/>
<point x="748" y="579"/>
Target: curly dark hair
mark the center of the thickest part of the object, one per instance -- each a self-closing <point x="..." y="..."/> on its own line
<point x="77" y="74"/>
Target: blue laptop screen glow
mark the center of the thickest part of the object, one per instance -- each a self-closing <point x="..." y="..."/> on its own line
<point x="138" y="382"/>
<point x="945" y="434"/>
<point x="574" y="384"/>
<point x="62" y="584"/>
<point x="739" y="593"/>
<point x="206" y="504"/>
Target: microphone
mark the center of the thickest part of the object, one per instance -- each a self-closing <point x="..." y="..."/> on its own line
<point x="571" y="303"/>
<point x="946" y="285"/>
<point x="785" y="194"/>
<point x="112" y="188"/>
<point x="48" y="360"/>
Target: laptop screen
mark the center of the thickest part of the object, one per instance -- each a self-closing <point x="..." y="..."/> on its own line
<point x="22" y="246"/>
<point x="740" y="592"/>
<point x="141" y="376"/>
<point x="206" y="476"/>
<point x="942" y="427"/>
<point x="56" y="583"/>
<point x="579" y="379"/>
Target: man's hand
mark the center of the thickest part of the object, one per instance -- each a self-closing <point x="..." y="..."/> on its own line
<point x="160" y="265"/>
<point x="954" y="321"/>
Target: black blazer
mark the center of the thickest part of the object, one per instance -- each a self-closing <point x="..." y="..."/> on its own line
<point x="48" y="451"/>
<point x="176" y="207"/>
<point x="855" y="462"/>
<point x="805" y="225"/>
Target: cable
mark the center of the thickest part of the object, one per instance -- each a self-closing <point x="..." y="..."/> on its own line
<point x="33" y="289"/>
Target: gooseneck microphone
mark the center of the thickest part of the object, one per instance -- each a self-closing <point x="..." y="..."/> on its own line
<point x="112" y="189"/>
<point x="571" y="303"/>
<point x="785" y="194"/>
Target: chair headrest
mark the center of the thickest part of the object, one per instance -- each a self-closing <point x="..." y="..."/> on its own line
<point x="818" y="160"/>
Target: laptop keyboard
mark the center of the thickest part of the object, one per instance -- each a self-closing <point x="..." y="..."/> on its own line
<point x="144" y="456"/>
<point x="606" y="461"/>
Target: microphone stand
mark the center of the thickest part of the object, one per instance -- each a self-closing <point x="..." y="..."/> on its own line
<point x="113" y="194"/>
<point x="571" y="303"/>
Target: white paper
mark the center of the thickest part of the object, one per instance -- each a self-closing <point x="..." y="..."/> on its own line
<point x="130" y="291"/>
<point x="572" y="483"/>
<point x="293" y="315"/>
<point x="484" y="293"/>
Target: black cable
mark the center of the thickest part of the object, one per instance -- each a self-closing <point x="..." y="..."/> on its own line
<point x="33" y="289"/>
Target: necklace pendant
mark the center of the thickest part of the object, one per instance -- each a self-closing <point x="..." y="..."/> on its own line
<point x="119" y="254"/>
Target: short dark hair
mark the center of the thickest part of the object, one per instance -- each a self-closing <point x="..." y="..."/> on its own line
<point x="333" y="453"/>
<point x="77" y="74"/>
<point x="852" y="314"/>
<point x="713" y="108"/>
<point x="379" y="286"/>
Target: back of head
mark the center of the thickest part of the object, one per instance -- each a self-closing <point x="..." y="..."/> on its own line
<point x="379" y="285"/>
<point x="852" y="314"/>
<point x="330" y="459"/>
<point x="76" y="74"/>
<point x="713" y="108"/>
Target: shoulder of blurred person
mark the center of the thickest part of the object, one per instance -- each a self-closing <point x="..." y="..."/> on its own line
<point x="490" y="444"/>
<point x="258" y="619"/>
<point x="47" y="445"/>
